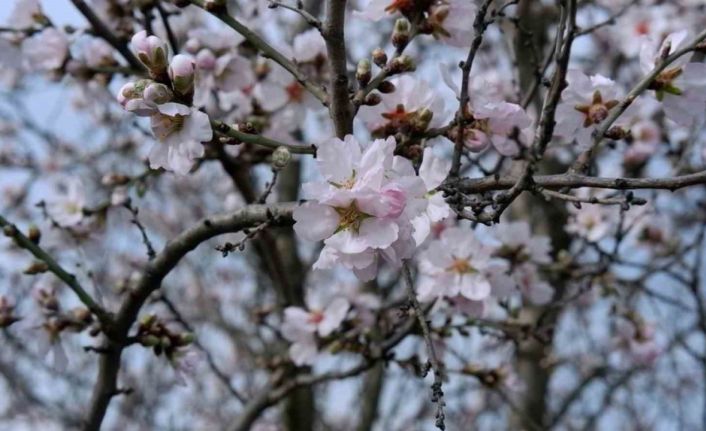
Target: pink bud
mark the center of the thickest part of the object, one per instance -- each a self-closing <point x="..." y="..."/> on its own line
<point x="205" y="59"/>
<point x="151" y="51"/>
<point x="475" y="140"/>
<point x="181" y="72"/>
<point x="396" y="200"/>
<point x="126" y="93"/>
<point x="157" y="93"/>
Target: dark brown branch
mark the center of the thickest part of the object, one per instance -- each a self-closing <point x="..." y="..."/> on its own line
<point x="340" y="107"/>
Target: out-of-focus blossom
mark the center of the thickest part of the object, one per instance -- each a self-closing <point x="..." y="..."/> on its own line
<point x="309" y="46"/>
<point x="46" y="50"/>
<point x="180" y="131"/>
<point x="301" y="326"/>
<point x="592" y="222"/>
<point x="413" y="106"/>
<point x="681" y="87"/>
<point x="585" y="104"/>
<point x="66" y="207"/>
<point x="456" y="264"/>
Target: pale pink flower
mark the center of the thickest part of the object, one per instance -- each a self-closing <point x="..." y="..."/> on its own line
<point x="681" y="87"/>
<point x="652" y="21"/>
<point x="180" y="131"/>
<point x="585" y="104"/>
<point x="301" y="326"/>
<point x="405" y="108"/>
<point x="26" y="14"/>
<point x="646" y="137"/>
<point x="456" y="263"/>
<point x="493" y="122"/>
<point x="591" y="222"/>
<point x="519" y="245"/>
<point x="46" y="50"/>
<point x="97" y="53"/>
<point x="309" y="46"/>
<point x="433" y="172"/>
<point x="66" y="206"/>
<point x="449" y="19"/>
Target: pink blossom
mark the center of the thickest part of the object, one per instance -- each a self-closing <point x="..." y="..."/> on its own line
<point x="585" y="104"/>
<point x="46" y="50"/>
<point x="180" y="131"/>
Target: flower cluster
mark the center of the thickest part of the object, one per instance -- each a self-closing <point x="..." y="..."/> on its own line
<point x="371" y="204"/>
<point x="166" y="99"/>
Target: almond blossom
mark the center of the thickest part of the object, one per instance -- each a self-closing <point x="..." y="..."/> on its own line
<point x="302" y="326"/>
<point x="447" y="20"/>
<point x="46" y="50"/>
<point x="585" y="104"/>
<point x="362" y="206"/>
<point x="180" y="131"/>
<point x="681" y="87"/>
<point x="456" y="264"/>
<point x="413" y="106"/>
<point x="67" y="205"/>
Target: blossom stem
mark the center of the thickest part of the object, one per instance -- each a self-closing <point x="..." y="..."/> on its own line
<point x="437" y="393"/>
<point x="248" y="138"/>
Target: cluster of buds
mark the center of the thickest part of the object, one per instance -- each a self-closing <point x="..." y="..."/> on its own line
<point x="154" y="333"/>
<point x="7" y="312"/>
<point x="56" y="320"/>
<point x="170" y="81"/>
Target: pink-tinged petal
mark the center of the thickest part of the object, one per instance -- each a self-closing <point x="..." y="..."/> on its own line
<point x="297" y="324"/>
<point x="159" y="156"/>
<point x="334" y="314"/>
<point x="270" y="96"/>
<point x="198" y="126"/>
<point x="304" y="352"/>
<point x="336" y="159"/>
<point x="315" y="222"/>
<point x="173" y="109"/>
<point x="475" y="286"/>
<point x="433" y="169"/>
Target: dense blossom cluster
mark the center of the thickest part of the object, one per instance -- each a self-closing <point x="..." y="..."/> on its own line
<point x="485" y="176"/>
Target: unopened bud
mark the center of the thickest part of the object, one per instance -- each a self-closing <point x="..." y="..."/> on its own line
<point x="386" y="87"/>
<point x="281" y="157"/>
<point x="34" y="234"/>
<point x="9" y="231"/>
<point x="617" y="133"/>
<point x="111" y="180"/>
<point x="401" y="64"/>
<point x="214" y="5"/>
<point x="157" y="93"/>
<point x="401" y="33"/>
<point x="186" y="338"/>
<point x="205" y="60"/>
<point x="379" y="57"/>
<point x="181" y="72"/>
<point x="148" y="320"/>
<point x="362" y="73"/>
<point x="37" y="267"/>
<point x="152" y="52"/>
<point x="149" y="340"/>
<point x="372" y="99"/>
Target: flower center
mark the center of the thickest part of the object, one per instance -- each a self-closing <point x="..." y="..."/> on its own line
<point x="517" y="254"/>
<point x="316" y="317"/>
<point x="461" y="266"/>
<point x="642" y="28"/>
<point x="597" y="110"/>
<point x="168" y="125"/>
<point x="402" y="6"/>
<point x="350" y="218"/>
<point x="295" y="92"/>
<point x="664" y="83"/>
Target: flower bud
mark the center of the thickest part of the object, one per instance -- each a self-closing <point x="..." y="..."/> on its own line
<point x="386" y="87"/>
<point x="362" y="73"/>
<point x="131" y="91"/>
<point x="281" y="157"/>
<point x="214" y="5"/>
<point x="372" y="99"/>
<point x="192" y="45"/>
<point x="157" y="93"/>
<point x="379" y="57"/>
<point x="149" y="340"/>
<point x="36" y="267"/>
<point x="34" y="234"/>
<point x="401" y="33"/>
<point x="181" y="72"/>
<point x="186" y="338"/>
<point x="403" y="63"/>
<point x="205" y="60"/>
<point x="152" y="52"/>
